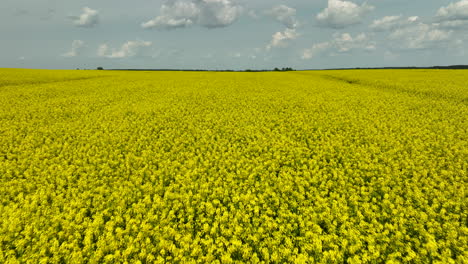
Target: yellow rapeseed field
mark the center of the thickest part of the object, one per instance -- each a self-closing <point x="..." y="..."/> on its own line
<point x="361" y="166"/>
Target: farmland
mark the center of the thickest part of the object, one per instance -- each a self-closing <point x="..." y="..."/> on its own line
<point x="203" y="167"/>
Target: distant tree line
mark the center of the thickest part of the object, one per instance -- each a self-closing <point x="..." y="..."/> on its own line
<point x="283" y="69"/>
<point x="291" y="69"/>
<point x="247" y="70"/>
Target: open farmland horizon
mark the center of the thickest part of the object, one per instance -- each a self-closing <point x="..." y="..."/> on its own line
<point x="351" y="166"/>
<point x="282" y="69"/>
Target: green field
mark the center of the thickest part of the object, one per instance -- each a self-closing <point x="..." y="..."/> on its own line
<point x="362" y="166"/>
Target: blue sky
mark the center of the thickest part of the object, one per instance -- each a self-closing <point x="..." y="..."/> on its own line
<point x="232" y="34"/>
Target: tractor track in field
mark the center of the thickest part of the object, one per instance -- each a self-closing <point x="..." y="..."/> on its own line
<point x="397" y="88"/>
<point x="49" y="82"/>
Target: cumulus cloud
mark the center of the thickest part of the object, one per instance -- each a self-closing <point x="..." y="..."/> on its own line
<point x="420" y="36"/>
<point x="281" y="39"/>
<point x="454" y="16"/>
<point x="385" y="23"/>
<point x="89" y="18"/>
<point x="128" y="49"/>
<point x="102" y="50"/>
<point x="454" y="11"/>
<point x="345" y="42"/>
<point x="174" y="15"/>
<point x="285" y="15"/>
<point x="76" y="49"/>
<point x="453" y="24"/>
<point x="218" y="13"/>
<point x="206" y="13"/>
<point x="392" y="22"/>
<point x="340" y="14"/>
<point x="315" y="50"/>
<point x="341" y="43"/>
<point x="412" y="34"/>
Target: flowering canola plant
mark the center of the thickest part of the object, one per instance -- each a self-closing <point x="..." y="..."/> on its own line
<point x="198" y="167"/>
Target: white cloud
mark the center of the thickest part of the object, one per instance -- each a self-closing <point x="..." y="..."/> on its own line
<point x="129" y="49"/>
<point x="345" y="42"/>
<point x="454" y="11"/>
<point x="175" y="15"/>
<point x="453" y="24"/>
<point x="89" y="18"/>
<point x="76" y="49"/>
<point x="315" y="49"/>
<point x="413" y="19"/>
<point x="411" y="34"/>
<point x="206" y="13"/>
<point x="420" y="36"/>
<point x="281" y="39"/>
<point x="385" y="23"/>
<point x="454" y="16"/>
<point x="102" y="50"/>
<point x="285" y="15"/>
<point x="218" y="13"/>
<point x="392" y="22"/>
<point x="341" y="43"/>
<point x="340" y="14"/>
